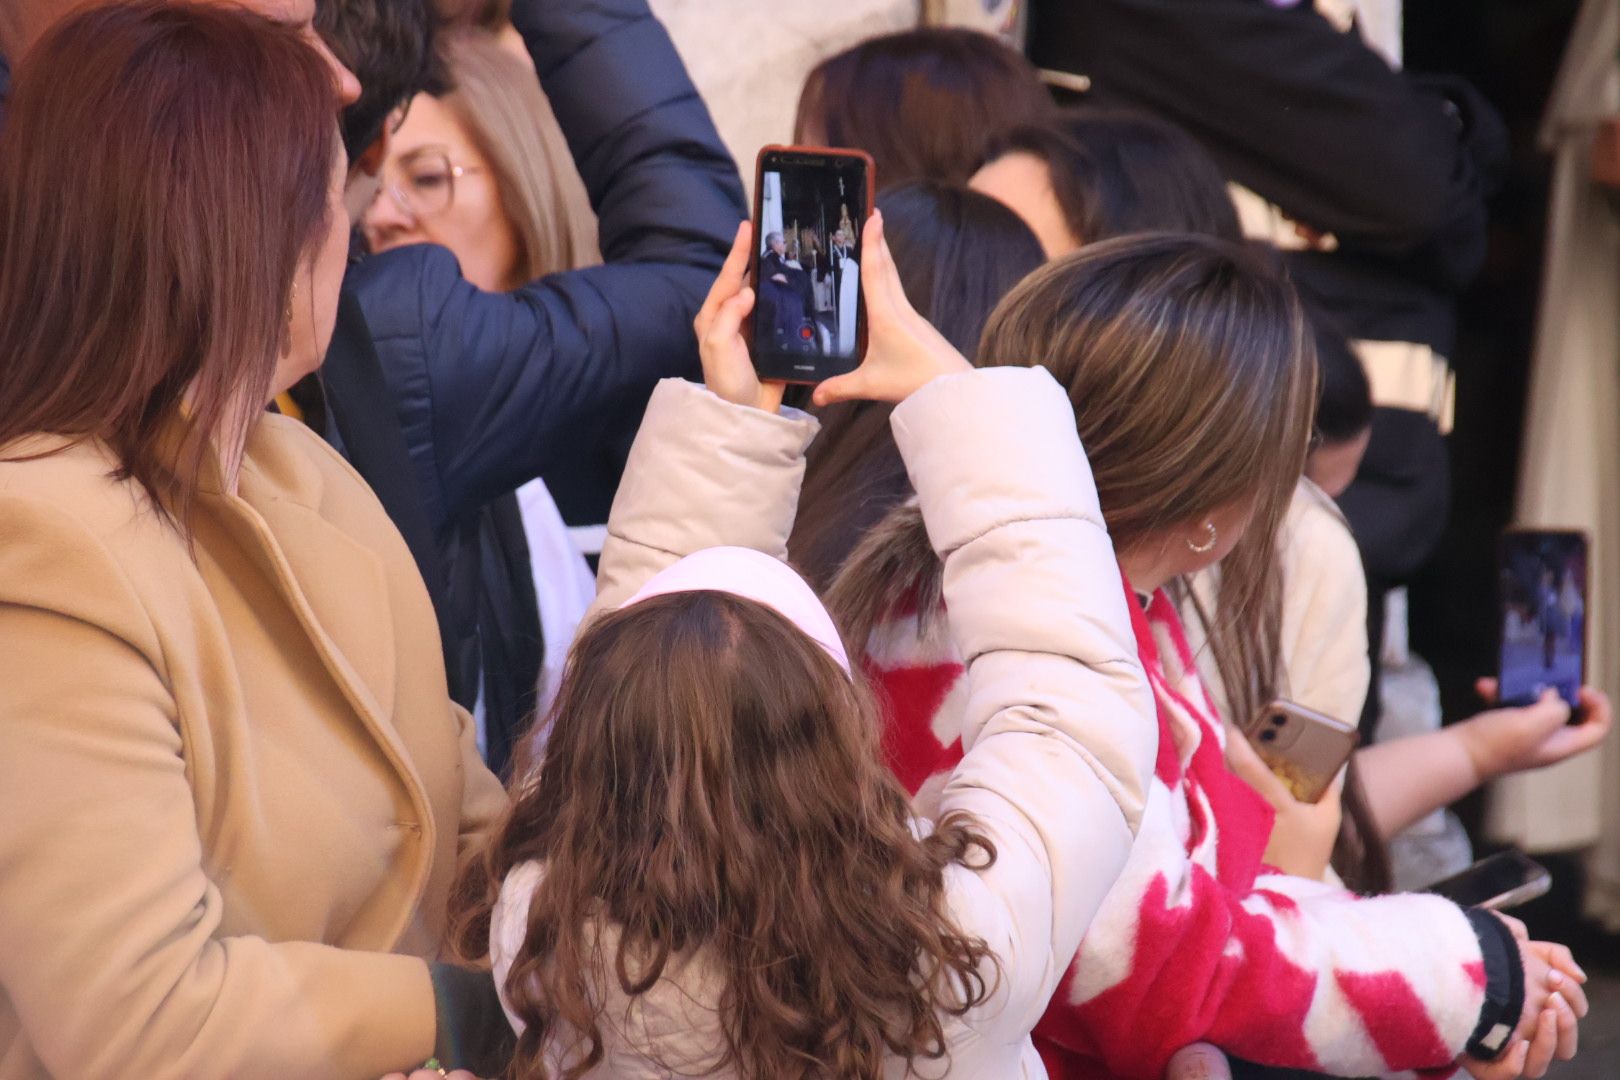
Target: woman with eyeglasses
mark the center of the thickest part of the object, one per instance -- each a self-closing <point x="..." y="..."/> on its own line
<point x="481" y="167"/>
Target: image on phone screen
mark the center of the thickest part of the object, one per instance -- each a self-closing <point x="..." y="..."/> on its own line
<point x="808" y="290"/>
<point x="1543" y="615"/>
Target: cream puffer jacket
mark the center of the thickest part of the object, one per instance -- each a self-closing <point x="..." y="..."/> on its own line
<point x="1060" y="732"/>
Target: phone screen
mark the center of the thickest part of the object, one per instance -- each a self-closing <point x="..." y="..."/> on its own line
<point x="808" y="313"/>
<point x="1543" y="630"/>
<point x="1493" y="879"/>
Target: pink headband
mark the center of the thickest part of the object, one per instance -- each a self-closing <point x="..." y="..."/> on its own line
<point x="755" y="576"/>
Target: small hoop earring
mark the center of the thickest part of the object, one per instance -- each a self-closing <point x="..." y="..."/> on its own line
<point x="1208" y="545"/>
<point x="291" y="296"/>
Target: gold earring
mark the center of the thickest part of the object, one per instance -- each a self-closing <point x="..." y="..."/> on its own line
<point x="1208" y="545"/>
<point x="291" y="296"/>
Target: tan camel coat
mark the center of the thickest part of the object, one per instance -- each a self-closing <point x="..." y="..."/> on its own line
<point x="233" y="788"/>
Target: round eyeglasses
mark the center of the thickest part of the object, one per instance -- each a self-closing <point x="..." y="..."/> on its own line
<point x="423" y="185"/>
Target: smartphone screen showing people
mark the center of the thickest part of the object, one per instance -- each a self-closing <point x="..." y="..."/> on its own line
<point x="1543" y="604"/>
<point x="809" y="209"/>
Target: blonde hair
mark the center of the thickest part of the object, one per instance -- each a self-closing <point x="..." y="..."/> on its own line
<point x="498" y="100"/>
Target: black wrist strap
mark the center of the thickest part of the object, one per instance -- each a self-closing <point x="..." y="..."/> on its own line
<point x="1504" y="986"/>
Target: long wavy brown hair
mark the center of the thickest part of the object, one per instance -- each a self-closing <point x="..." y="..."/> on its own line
<point x="711" y="781"/>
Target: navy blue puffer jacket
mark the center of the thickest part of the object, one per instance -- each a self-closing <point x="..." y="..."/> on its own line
<point x="495" y="389"/>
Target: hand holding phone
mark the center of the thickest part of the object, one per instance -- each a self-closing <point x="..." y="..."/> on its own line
<point x="904" y="352"/>
<point x="907" y="352"/>
<point x="1304" y="748"/>
<point x="728" y="369"/>
<point x="1518" y="738"/>
<point x="1303" y="834"/>
<point x="811" y="205"/>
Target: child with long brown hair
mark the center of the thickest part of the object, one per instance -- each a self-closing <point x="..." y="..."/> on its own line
<point x="1189" y="366"/>
<point x="707" y="869"/>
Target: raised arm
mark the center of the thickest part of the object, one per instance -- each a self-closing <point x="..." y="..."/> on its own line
<point x="713" y="466"/>
<point x="518" y="382"/>
<point x="1299" y="112"/>
<point x="703" y="473"/>
<point x="1408" y="779"/>
<point x="1059" y="731"/>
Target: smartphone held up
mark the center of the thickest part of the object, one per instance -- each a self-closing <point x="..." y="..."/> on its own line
<point x="810" y="208"/>
<point x="1543" y="616"/>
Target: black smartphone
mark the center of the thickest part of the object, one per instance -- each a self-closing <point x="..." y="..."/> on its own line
<point x="1542" y="616"/>
<point x="1499" y="882"/>
<point x="810" y="209"/>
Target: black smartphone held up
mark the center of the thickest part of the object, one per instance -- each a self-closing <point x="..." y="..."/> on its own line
<point x="810" y="208"/>
<point x="1542" y="616"/>
<point x="1499" y="882"/>
<point x="1305" y="748"/>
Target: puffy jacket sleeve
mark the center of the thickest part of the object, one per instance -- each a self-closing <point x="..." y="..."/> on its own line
<point x="495" y="387"/>
<point x="703" y="473"/>
<point x="110" y="951"/>
<point x="1284" y="972"/>
<point x="1059" y="734"/>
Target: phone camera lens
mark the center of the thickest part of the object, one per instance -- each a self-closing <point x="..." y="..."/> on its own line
<point x="1278" y="721"/>
<point x="1268" y="736"/>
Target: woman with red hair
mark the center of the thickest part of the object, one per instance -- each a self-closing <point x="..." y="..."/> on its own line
<point x="236" y="788"/>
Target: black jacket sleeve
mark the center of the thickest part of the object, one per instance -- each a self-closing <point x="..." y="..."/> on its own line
<point x="1299" y="112"/>
<point x="495" y="387"/>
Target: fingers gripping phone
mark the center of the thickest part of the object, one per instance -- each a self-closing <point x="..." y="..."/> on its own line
<point x="1304" y="748"/>
<point x="1499" y="882"/>
<point x="810" y="208"/>
<point x="1542" y="616"/>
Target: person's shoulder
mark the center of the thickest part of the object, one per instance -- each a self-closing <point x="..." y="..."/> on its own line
<point x="509" y="921"/>
<point x="303" y="467"/>
<point x="74" y="480"/>
<point x="78" y="539"/>
<point x="1316" y="538"/>
<point x="1315" y="518"/>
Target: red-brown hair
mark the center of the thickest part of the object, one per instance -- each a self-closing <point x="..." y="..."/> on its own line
<point x="925" y="103"/>
<point x="712" y="781"/>
<point x="163" y="172"/>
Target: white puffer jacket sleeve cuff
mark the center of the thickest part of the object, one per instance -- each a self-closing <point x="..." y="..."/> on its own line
<point x="702" y="473"/>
